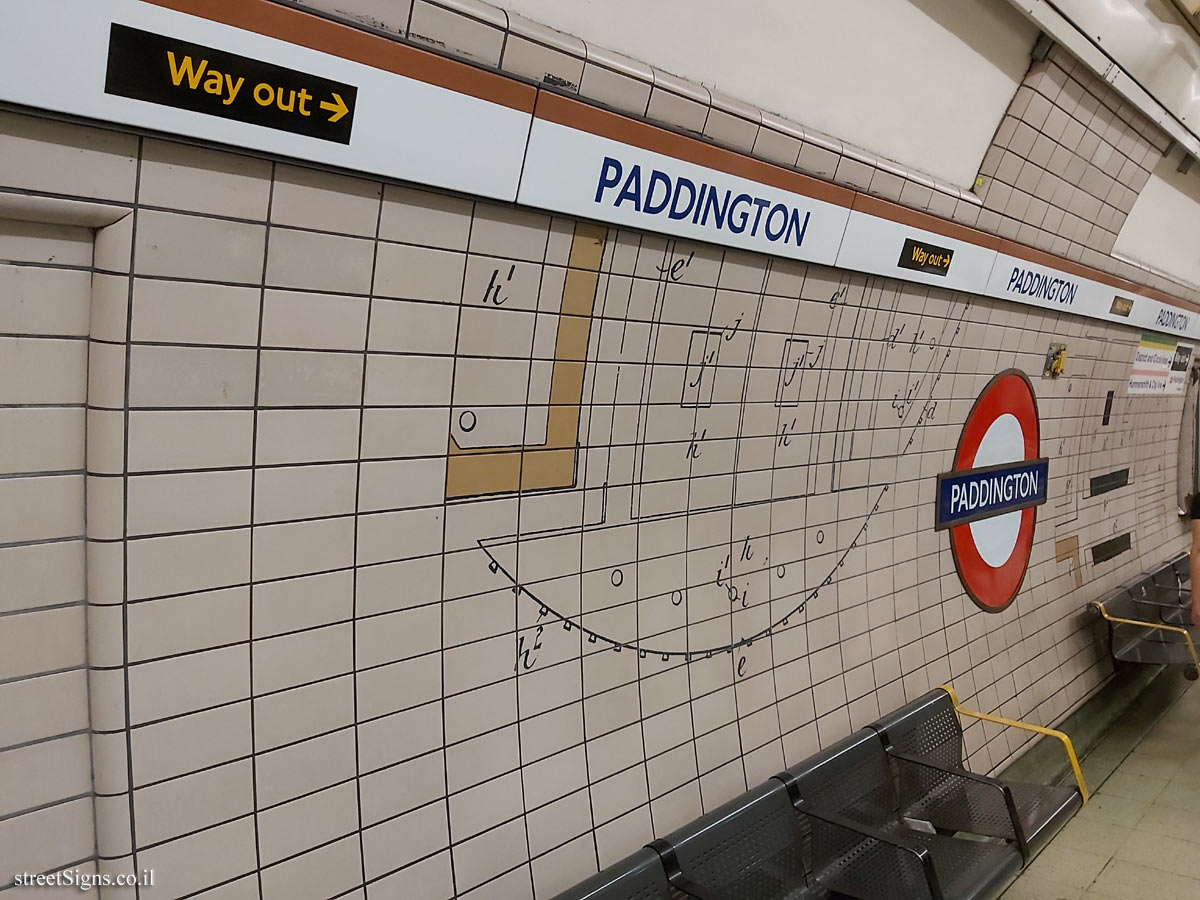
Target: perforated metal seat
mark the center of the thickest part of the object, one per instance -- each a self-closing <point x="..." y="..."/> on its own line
<point x="971" y="868"/>
<point x="862" y="847"/>
<point x="1168" y="589"/>
<point x="1167" y="586"/>
<point x="637" y="877"/>
<point x="1044" y="810"/>
<point x="1183" y="571"/>
<point x="953" y="799"/>
<point x="1141" y="644"/>
<point x="748" y="849"/>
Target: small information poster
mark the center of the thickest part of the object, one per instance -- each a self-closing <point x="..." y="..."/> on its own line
<point x="1151" y="371"/>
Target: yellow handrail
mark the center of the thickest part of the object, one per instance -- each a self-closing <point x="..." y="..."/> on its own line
<point x="1026" y="726"/>
<point x="1187" y="635"/>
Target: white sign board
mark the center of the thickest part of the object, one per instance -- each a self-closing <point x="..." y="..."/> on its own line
<point x="152" y="68"/>
<point x="572" y="171"/>
<point x="883" y="247"/>
<point x="65" y="55"/>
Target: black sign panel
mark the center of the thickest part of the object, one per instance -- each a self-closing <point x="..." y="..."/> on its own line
<point x="1113" y="481"/>
<point x="1121" y="306"/>
<point x="922" y="257"/>
<point x="1106" y="550"/>
<point x="1183" y="358"/>
<point x="171" y="72"/>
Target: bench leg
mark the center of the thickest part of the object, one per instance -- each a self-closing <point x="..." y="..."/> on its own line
<point x="1194" y="570"/>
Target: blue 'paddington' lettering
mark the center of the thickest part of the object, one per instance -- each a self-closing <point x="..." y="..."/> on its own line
<point x="677" y="212"/>
<point x="718" y="212"/>
<point x="707" y="205"/>
<point x="657" y="178"/>
<point x="1169" y="318"/>
<point x="738" y="226"/>
<point x="1048" y="287"/>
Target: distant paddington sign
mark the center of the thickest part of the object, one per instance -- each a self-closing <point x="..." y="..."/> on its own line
<point x="172" y="72"/>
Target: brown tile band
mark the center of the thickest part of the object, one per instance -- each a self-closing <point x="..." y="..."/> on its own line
<point x="1042" y="258"/>
<point x="306" y="30"/>
<point x="914" y="218"/>
<point x="885" y="209"/>
<point x="602" y="123"/>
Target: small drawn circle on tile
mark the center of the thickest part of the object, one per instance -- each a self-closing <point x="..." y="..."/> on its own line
<point x="618" y="577"/>
<point x="820" y="536"/>
<point x="467" y="420"/>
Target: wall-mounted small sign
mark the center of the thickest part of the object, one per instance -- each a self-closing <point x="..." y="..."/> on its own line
<point x="1056" y="361"/>
<point x="1121" y="306"/>
<point x="922" y="257"/>
<point x="1152" y="362"/>
<point x="172" y="72"/>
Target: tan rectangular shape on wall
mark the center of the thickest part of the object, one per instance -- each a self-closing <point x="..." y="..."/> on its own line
<point x="478" y="472"/>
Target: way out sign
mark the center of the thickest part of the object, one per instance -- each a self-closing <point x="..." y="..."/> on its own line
<point x="172" y="72"/>
<point x="989" y="500"/>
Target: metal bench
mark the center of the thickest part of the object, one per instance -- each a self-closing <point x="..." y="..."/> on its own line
<point x="924" y="738"/>
<point x="751" y="848"/>
<point x="1148" y="620"/>
<point x="885" y="814"/>
<point x="637" y="877"/>
<point x="862" y="846"/>
<point x="1167" y="588"/>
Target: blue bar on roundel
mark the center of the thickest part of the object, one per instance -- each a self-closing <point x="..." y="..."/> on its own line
<point x="981" y="493"/>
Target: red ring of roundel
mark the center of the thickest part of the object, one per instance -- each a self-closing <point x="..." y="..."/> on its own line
<point x="993" y="590"/>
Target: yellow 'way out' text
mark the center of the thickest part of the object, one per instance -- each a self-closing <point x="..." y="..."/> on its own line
<point x="200" y="76"/>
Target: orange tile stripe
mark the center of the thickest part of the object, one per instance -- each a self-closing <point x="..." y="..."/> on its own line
<point x="885" y="209"/>
<point x="601" y="122"/>
<point x="914" y="218"/>
<point x="1033" y="255"/>
<point x="273" y="20"/>
<point x="306" y="30"/>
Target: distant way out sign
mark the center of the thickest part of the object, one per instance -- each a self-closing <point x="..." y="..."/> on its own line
<point x="171" y="72"/>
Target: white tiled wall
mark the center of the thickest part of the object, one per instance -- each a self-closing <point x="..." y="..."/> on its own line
<point x="1067" y="162"/>
<point x="300" y="660"/>
<point x="46" y="818"/>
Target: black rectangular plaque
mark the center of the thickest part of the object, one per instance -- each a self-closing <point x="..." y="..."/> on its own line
<point x="173" y="72"/>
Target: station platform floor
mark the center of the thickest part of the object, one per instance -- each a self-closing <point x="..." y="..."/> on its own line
<point x="1139" y="837"/>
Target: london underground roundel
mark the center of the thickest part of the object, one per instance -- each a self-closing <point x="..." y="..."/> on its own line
<point x="989" y="500"/>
